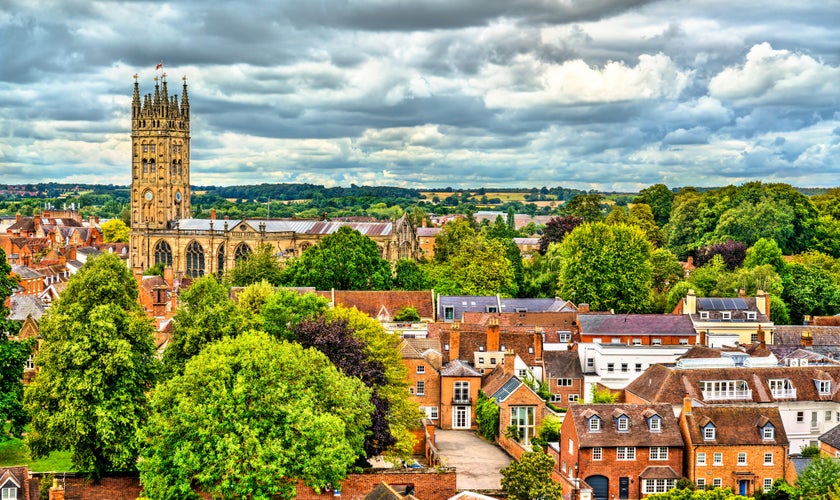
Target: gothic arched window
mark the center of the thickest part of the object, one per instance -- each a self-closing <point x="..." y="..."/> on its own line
<point x="163" y="253"/>
<point x="195" y="260"/>
<point x="242" y="251"/>
<point x="145" y="166"/>
<point x="152" y="165"/>
<point x="221" y="260"/>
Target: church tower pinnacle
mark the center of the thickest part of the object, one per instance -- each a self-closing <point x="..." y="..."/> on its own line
<point x="160" y="163"/>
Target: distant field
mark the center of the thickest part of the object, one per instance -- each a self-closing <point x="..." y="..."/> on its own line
<point x="505" y="197"/>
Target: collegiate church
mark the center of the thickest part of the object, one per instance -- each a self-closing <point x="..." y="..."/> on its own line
<point x="161" y="227"/>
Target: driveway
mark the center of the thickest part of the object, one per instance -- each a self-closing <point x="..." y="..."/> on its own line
<point x="477" y="462"/>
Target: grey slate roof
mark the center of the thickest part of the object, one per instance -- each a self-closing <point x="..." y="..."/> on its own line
<point x="831" y="437"/>
<point x="458" y="368"/>
<point x="562" y="364"/>
<point x="481" y="303"/>
<point x="26" y="272"/>
<point x="23" y="306"/>
<point x="636" y="324"/>
<point x="290" y="226"/>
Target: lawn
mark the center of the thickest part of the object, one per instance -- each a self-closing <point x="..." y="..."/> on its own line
<point x="14" y="452"/>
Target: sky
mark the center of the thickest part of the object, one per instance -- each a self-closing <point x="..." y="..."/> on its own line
<point x="612" y="95"/>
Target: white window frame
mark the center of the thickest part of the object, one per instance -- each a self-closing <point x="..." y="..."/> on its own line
<point x="701" y="458"/>
<point x="766" y="461"/>
<point x="622" y="424"/>
<point x="656" y="341"/>
<point x="709" y="433"/>
<point x="564" y="337"/>
<point x="768" y="432"/>
<point x="564" y="382"/>
<point x="768" y="483"/>
<point x="650" y="486"/>
<point x="704" y="314"/>
<point x="742" y="458"/>
<point x="717" y="482"/>
<point x="701" y="483"/>
<point x="524" y="418"/>
<point x="823" y="387"/>
<point x="726" y="315"/>
<point x="655" y="424"/>
<point x="751" y="315"/>
<point x="717" y="458"/>
<point x="433" y="412"/>
<point x="594" y="424"/>
<point x="421" y="388"/>
<point x="597" y="453"/>
<point x="421" y="369"/>
<point x="9" y="493"/>
<point x="637" y="341"/>
<point x="659" y="453"/>
<point x="625" y="453"/>
<point x="573" y="397"/>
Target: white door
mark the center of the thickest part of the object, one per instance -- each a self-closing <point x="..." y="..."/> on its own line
<point x="461" y="417"/>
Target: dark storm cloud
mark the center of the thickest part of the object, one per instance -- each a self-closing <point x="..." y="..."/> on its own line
<point x="609" y="94"/>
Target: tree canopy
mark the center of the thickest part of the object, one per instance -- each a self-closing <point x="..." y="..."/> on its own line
<point x="530" y="478"/>
<point x="257" y="266"/>
<point x="248" y="418"/>
<point x="344" y="260"/>
<point x="114" y="231"/>
<point x="97" y="364"/>
<point x="607" y="266"/>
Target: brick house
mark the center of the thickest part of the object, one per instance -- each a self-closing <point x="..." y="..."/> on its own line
<point x="422" y="359"/>
<point x="459" y="386"/>
<point x="740" y="447"/>
<point x="830" y="442"/>
<point x="564" y="376"/>
<point x="520" y="408"/>
<point x="621" y="451"/>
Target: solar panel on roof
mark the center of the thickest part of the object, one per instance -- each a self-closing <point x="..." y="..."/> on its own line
<point x="507" y="389"/>
<point x="722" y="303"/>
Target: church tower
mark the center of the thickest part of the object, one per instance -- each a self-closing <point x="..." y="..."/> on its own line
<point x="160" y="163"/>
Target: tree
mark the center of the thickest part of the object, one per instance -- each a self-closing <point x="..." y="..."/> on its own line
<point x="251" y="298"/>
<point x="479" y="267"/>
<point x="450" y="239"/>
<point x="685" y="494"/>
<point x="810" y="291"/>
<point x="97" y="364"/>
<point x="261" y="265"/>
<point x="344" y="260"/>
<point x="666" y="270"/>
<point x="586" y="206"/>
<point x="539" y="275"/>
<point x="608" y="267"/>
<point x="407" y="313"/>
<point x="603" y="395"/>
<point x="409" y="276"/>
<point x="206" y="314"/>
<point x="660" y="199"/>
<point x="818" y="477"/>
<point x="13" y="354"/>
<point x="283" y="310"/>
<point x="383" y="347"/>
<point x="114" y="231"/>
<point x="732" y="252"/>
<point x="248" y="418"/>
<point x="766" y="251"/>
<point x="642" y="216"/>
<point x="487" y="416"/>
<point x="530" y="478"/>
<point x="556" y="229"/>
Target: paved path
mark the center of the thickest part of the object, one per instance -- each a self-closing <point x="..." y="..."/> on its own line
<point x="477" y="462"/>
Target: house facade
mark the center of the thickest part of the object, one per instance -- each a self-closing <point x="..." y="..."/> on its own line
<point x="740" y="447"/>
<point x="459" y="386"/>
<point x="721" y="321"/>
<point x="422" y="359"/>
<point x="620" y="451"/>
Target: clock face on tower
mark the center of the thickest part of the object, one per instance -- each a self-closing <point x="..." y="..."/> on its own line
<point x="149" y="196"/>
<point x="178" y="197"/>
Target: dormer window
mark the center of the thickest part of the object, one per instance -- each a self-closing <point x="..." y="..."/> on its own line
<point x="823" y="387"/>
<point x="704" y="314"/>
<point x="481" y="348"/>
<point x="503" y="348"/>
<point x="768" y="432"/>
<point x="594" y="424"/>
<point x="623" y="424"/>
<point x="655" y="423"/>
<point x="725" y="315"/>
<point x="709" y="432"/>
<point x="751" y="315"/>
<point x="492" y="309"/>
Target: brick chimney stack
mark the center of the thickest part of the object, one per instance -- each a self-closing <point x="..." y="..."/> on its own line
<point x="690" y="304"/>
<point x="455" y="341"/>
<point x="509" y="362"/>
<point x="212" y="214"/>
<point x="807" y="339"/>
<point x="686" y="405"/>
<point x="493" y="334"/>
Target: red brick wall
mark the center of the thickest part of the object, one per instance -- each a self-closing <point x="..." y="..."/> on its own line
<point x="429" y="484"/>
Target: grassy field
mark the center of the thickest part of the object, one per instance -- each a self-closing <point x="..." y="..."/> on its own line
<point x="14" y="452"/>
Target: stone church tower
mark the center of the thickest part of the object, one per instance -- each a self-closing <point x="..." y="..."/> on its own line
<point x="160" y="162"/>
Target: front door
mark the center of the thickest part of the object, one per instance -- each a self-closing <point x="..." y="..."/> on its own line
<point x="742" y="487"/>
<point x="461" y="417"/>
<point x="624" y="487"/>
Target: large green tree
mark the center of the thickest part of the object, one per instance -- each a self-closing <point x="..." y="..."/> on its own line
<point x="283" y="310"/>
<point x="97" y="365"/>
<point x="344" y="260"/>
<point x="115" y="230"/>
<point x="818" y="477"/>
<point x="248" y="418"/>
<point x="451" y="237"/>
<point x="530" y="478"/>
<point x="608" y="267"/>
<point x="205" y="315"/>
<point x="810" y="290"/>
<point x="13" y="354"/>
<point x="261" y="265"/>
<point x="660" y="199"/>
<point x="479" y="267"/>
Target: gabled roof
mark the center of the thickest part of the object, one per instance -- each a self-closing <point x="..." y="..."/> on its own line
<point x="473" y="338"/>
<point x="661" y="384"/>
<point x="458" y="368"/>
<point x="635" y="324"/>
<point x="24" y="306"/>
<point x="736" y="425"/>
<point x="639" y="433"/>
<point x="562" y="364"/>
<point x="374" y="302"/>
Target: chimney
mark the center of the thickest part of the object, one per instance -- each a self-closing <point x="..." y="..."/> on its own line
<point x="583" y="308"/>
<point x="742" y="293"/>
<point x="493" y="334"/>
<point x="762" y="302"/>
<point x="538" y="345"/>
<point x="762" y="340"/>
<point x="455" y="341"/>
<point x="423" y="222"/>
<point x="169" y="276"/>
<point x="212" y="214"/>
<point x="17" y="217"/>
<point x="56" y="491"/>
<point x="509" y="362"/>
<point x="686" y="405"/>
<point x="690" y="304"/>
<point x="807" y="339"/>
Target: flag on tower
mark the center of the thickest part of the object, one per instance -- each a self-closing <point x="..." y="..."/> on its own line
<point x="159" y="66"/>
